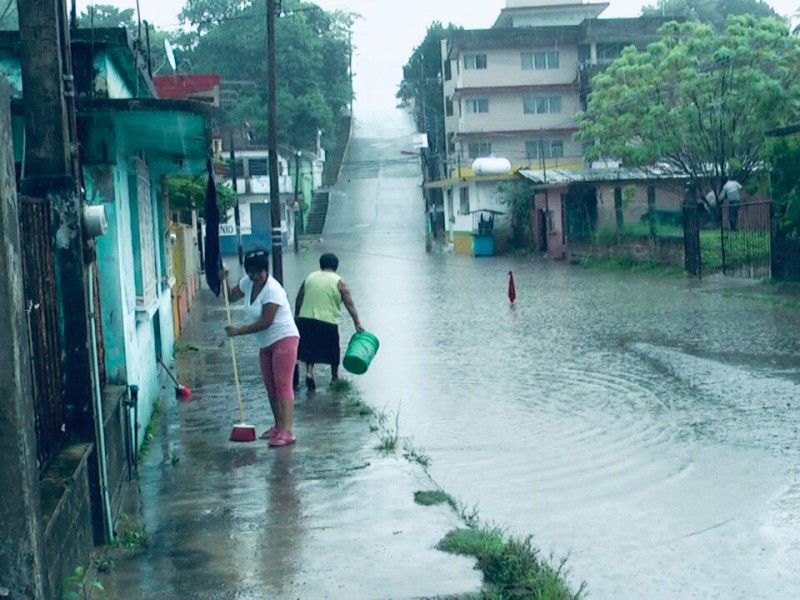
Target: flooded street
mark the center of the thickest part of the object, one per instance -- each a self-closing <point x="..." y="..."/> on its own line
<point x="649" y="428"/>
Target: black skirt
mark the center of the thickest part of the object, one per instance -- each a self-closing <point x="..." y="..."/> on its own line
<point x="319" y="342"/>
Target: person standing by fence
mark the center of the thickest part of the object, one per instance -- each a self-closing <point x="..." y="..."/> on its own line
<point x="318" y="308"/>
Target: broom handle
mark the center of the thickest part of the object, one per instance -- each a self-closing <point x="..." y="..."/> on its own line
<point x="233" y="355"/>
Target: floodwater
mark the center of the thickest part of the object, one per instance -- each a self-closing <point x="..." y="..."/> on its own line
<point x="648" y="428"/>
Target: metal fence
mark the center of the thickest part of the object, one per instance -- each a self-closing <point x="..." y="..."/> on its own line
<point x="39" y="272"/>
<point x="738" y="244"/>
<point x="746" y="240"/>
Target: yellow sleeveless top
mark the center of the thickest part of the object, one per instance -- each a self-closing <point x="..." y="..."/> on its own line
<point x="321" y="297"/>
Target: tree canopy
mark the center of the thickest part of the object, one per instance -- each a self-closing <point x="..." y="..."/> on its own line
<point x="697" y="100"/>
<point x="785" y="186"/>
<point x="713" y="12"/>
<point x="422" y="86"/>
<point x="189" y="193"/>
<point x="313" y="49"/>
<point x="105" y="15"/>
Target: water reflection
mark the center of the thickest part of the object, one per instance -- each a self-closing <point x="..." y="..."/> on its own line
<point x="647" y="425"/>
<point x="278" y="551"/>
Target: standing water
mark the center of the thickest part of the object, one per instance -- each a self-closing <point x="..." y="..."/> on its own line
<point x="648" y="428"/>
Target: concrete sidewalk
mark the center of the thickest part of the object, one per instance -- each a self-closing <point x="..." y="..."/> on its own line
<point x="330" y="517"/>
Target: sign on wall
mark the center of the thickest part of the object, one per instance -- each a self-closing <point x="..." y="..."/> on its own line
<point x="245" y="222"/>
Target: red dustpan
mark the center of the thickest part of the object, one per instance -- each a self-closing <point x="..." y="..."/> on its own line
<point x="242" y="432"/>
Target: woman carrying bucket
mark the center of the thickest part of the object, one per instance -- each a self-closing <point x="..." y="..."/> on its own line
<point x="318" y="308"/>
<point x="267" y="308"/>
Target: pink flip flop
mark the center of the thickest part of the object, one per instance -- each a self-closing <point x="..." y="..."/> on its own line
<point x="281" y="439"/>
<point x="269" y="433"/>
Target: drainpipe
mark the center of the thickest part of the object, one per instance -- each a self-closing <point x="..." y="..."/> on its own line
<point x="133" y="428"/>
<point x="98" y="408"/>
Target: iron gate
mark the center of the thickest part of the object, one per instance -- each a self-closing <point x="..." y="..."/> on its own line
<point x="746" y="240"/>
<point x="739" y="245"/>
<point x="38" y="274"/>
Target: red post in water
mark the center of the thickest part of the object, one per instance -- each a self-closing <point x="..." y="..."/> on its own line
<point x="512" y="290"/>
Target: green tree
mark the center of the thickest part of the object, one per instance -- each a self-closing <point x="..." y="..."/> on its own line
<point x="697" y="100"/>
<point x="189" y="193"/>
<point x="313" y="54"/>
<point x="783" y="158"/>
<point x="714" y="12"/>
<point x="421" y="86"/>
<point x="105" y="15"/>
<point x="206" y="14"/>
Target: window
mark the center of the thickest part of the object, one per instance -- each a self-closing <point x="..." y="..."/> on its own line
<point x="478" y="149"/>
<point x="478" y="105"/>
<point x="448" y="71"/>
<point x="609" y="52"/>
<point x="257" y="167"/>
<point x="474" y="61"/>
<point x="539" y="105"/>
<point x="448" y="106"/>
<point x="540" y="60"/>
<point x="463" y="201"/>
<point x="143" y="230"/>
<point x="546" y="148"/>
<point x="584" y="53"/>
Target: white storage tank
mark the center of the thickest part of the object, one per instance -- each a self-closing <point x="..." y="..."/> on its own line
<point x="491" y="166"/>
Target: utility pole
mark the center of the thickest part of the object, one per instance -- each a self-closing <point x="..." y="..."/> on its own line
<point x="52" y="174"/>
<point x="298" y="212"/>
<point x="236" y="218"/>
<point x="272" y="143"/>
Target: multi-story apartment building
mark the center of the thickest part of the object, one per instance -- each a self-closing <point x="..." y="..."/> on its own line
<point x="512" y="91"/>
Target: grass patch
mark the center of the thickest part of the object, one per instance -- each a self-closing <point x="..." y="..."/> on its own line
<point x="628" y="263"/>
<point x="362" y="408"/>
<point x="150" y="432"/>
<point x="411" y="454"/>
<point x="181" y="348"/>
<point x="512" y="567"/>
<point x="389" y="436"/>
<point x="341" y="386"/>
<point x="131" y="535"/>
<point x="434" y="498"/>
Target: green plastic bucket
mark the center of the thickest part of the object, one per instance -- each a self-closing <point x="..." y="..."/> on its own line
<point x="360" y="351"/>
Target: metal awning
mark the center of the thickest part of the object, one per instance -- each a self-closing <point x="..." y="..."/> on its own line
<point x="560" y="177"/>
<point x="451" y="181"/>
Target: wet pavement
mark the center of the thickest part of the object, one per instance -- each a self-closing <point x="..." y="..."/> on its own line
<point x="331" y="517"/>
<point x="648" y="427"/>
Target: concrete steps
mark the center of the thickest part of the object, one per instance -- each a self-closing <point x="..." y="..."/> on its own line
<point x="317" y="214"/>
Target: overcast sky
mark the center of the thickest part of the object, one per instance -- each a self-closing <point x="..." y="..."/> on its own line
<point x="391" y="29"/>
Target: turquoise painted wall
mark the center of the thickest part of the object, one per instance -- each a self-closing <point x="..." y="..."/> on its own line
<point x="109" y="265"/>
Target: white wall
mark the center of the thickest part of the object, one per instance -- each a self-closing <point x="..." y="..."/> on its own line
<point x="504" y="68"/>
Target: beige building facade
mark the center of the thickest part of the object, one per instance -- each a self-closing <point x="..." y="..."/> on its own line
<point x="513" y="91"/>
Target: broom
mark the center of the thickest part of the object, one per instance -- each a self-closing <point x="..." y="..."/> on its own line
<point x="242" y="432"/>
<point x="180" y="390"/>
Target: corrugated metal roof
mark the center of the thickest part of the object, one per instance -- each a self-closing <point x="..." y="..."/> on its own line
<point x="558" y="176"/>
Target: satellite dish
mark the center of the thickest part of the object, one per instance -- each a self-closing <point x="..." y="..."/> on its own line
<point x="170" y="55"/>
